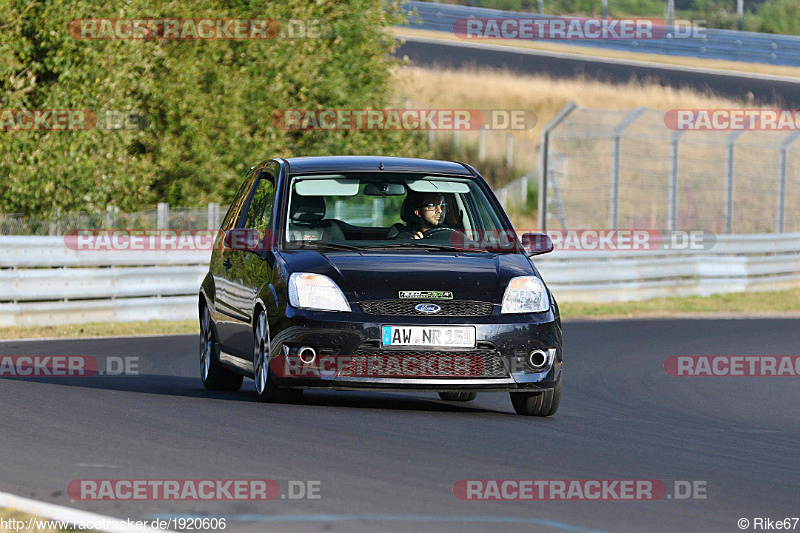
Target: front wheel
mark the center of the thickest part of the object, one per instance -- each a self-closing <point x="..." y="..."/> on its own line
<point x="214" y="376"/>
<point x="544" y="403"/>
<point x="267" y="389"/>
<point x="458" y="396"/>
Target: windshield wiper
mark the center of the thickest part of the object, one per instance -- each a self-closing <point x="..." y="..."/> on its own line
<point x="323" y="244"/>
<point x="424" y="246"/>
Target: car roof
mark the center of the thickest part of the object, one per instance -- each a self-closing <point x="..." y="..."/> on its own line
<point x="357" y="163"/>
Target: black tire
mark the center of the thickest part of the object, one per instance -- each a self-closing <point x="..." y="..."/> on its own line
<point x="458" y="396"/>
<point x="213" y="374"/>
<point x="544" y="403"/>
<point x="266" y="388"/>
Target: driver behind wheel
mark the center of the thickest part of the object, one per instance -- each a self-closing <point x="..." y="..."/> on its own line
<point x="430" y="210"/>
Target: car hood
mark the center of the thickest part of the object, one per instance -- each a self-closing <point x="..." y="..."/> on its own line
<point x="380" y="276"/>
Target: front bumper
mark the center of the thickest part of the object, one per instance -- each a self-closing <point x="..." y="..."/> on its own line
<point x="510" y="338"/>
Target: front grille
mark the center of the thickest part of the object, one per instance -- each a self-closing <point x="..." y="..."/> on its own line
<point x="406" y="307"/>
<point x="481" y="362"/>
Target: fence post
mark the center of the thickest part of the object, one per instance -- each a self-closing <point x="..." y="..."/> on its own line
<point x="213" y="216"/>
<point x="503" y="196"/>
<point x="729" y="171"/>
<point x="672" y="205"/>
<point x="482" y="144"/>
<point x="431" y="138"/>
<point x="780" y="211"/>
<point x="613" y="201"/>
<point x="509" y="150"/>
<point x="544" y="161"/>
<point x="523" y="185"/>
<point x="162" y="221"/>
<point x="111" y="216"/>
<point x="456" y="139"/>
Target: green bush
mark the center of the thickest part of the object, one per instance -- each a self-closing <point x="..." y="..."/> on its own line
<point x="209" y="102"/>
<point x="778" y="16"/>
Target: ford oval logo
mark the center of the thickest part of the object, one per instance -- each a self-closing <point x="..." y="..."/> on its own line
<point x="428" y="308"/>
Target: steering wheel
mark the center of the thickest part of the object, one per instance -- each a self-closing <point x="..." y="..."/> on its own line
<point x="433" y="231"/>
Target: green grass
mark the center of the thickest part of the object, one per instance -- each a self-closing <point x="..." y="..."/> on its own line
<point x="744" y="304"/>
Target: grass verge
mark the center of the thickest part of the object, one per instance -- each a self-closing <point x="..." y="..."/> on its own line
<point x="102" y="329"/>
<point x="749" y="304"/>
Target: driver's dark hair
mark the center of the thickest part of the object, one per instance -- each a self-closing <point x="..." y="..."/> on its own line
<point x="419" y="198"/>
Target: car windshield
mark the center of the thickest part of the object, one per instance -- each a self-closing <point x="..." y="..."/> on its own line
<point x="393" y="211"/>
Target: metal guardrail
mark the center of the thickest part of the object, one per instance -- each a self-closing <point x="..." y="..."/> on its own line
<point x="711" y="44"/>
<point x="43" y="282"/>
<point x="735" y="263"/>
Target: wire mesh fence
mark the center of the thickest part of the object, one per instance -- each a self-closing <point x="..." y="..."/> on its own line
<point x="628" y="169"/>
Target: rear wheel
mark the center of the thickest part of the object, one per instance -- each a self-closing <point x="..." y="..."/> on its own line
<point x="458" y="396"/>
<point x="214" y="376"/>
<point x="266" y="388"/>
<point x="544" y="403"/>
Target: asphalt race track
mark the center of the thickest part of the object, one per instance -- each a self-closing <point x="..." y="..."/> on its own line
<point x="388" y="462"/>
<point x="764" y="89"/>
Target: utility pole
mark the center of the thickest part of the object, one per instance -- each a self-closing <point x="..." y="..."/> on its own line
<point x="605" y="8"/>
<point x="541" y="7"/>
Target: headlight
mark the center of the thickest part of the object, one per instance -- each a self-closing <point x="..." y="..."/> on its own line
<point x="315" y="291"/>
<point x="525" y="294"/>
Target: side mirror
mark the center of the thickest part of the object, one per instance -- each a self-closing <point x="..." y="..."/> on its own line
<point x="248" y="240"/>
<point x="537" y="243"/>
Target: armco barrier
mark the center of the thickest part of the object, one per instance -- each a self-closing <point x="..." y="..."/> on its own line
<point x="44" y="282"/>
<point x="735" y="263"/>
<point x="711" y="44"/>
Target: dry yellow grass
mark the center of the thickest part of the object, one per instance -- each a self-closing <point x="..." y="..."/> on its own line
<point x="545" y="96"/>
<point x="756" y="68"/>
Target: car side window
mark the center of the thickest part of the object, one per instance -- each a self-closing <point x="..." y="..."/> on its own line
<point x="259" y="213"/>
<point x="235" y="210"/>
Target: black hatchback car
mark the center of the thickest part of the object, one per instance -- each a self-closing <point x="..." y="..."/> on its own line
<point x="377" y="273"/>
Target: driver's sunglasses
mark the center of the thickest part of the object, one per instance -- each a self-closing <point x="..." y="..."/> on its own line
<point x="432" y="206"/>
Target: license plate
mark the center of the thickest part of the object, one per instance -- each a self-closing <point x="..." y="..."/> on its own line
<point x="440" y="336"/>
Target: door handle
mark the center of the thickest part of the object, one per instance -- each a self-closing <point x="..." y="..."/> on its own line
<point x="227" y="264"/>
